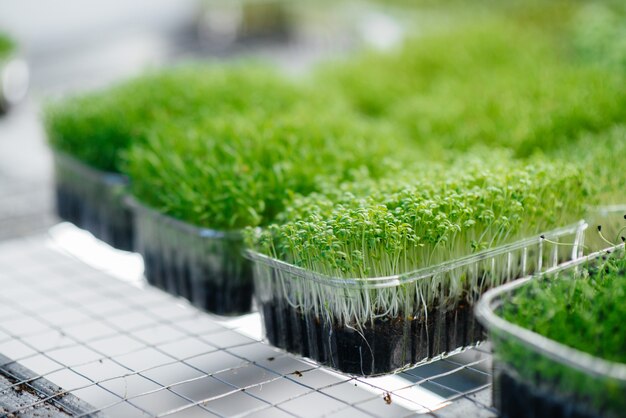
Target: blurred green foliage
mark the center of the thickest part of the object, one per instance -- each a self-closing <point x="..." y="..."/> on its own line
<point x="7" y="46"/>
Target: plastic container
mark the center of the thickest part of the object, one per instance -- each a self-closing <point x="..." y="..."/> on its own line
<point x="93" y="200"/>
<point x="371" y="326"/>
<point x="205" y="266"/>
<point x="535" y="376"/>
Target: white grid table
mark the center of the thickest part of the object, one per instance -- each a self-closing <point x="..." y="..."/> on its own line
<point x="121" y="348"/>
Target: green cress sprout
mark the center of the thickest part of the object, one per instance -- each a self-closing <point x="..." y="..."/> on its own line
<point x="500" y="80"/>
<point x="427" y="222"/>
<point x="97" y="128"/>
<point x="239" y="170"/>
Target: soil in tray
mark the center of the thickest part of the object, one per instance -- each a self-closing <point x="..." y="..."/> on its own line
<point x="380" y="347"/>
<point x="286" y="328"/>
<point x="99" y="220"/>
<point x="515" y="398"/>
<point x="223" y="297"/>
<point x="203" y="285"/>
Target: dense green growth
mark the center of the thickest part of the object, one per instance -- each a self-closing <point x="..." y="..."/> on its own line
<point x="98" y="127"/>
<point x="601" y="156"/>
<point x="6" y="46"/>
<point x="240" y="170"/>
<point x="501" y="81"/>
<point x="583" y="310"/>
<point x="365" y="231"/>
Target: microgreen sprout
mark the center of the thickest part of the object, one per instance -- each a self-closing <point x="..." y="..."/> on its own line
<point x="240" y="169"/>
<point x="564" y="244"/>
<point x="99" y="127"/>
<point x="618" y="235"/>
<point x="602" y="236"/>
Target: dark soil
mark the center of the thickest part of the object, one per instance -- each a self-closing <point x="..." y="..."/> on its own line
<point x="206" y="283"/>
<point x="111" y="224"/>
<point x="380" y="347"/>
<point x="222" y="295"/>
<point x="516" y="398"/>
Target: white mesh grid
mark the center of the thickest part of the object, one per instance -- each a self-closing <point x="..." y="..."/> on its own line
<point x="126" y="349"/>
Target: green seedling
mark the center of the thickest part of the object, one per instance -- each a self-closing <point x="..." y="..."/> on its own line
<point x="97" y="128"/>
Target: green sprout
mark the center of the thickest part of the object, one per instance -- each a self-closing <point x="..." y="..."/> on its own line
<point x="601" y="156"/>
<point x="241" y="169"/>
<point x="582" y="309"/>
<point x="97" y="128"/>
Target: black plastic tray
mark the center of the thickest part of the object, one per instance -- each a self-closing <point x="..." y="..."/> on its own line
<point x="93" y="200"/>
<point x="205" y="266"/>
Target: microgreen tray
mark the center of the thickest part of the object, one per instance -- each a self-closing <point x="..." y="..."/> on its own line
<point x="202" y="265"/>
<point x="93" y="200"/>
<point x="419" y="315"/>
<point x="536" y="376"/>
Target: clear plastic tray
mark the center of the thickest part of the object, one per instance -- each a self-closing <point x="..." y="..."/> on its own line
<point x="370" y="326"/>
<point x="205" y="266"/>
<point x="93" y="200"/>
<point x="535" y="376"/>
